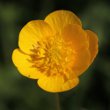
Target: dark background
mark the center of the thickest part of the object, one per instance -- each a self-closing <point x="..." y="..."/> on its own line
<point x="20" y="93"/>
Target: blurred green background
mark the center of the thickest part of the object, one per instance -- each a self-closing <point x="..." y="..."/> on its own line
<point x="20" y="93"/>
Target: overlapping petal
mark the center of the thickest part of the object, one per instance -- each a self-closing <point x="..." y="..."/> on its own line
<point x="93" y="44"/>
<point x="78" y="39"/>
<point x="33" y="32"/>
<point x="25" y="67"/>
<point x="81" y="61"/>
<point x="59" y="19"/>
<point x="57" y="83"/>
<point x="76" y="36"/>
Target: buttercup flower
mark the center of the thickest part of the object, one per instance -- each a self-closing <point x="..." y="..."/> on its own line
<point x="56" y="51"/>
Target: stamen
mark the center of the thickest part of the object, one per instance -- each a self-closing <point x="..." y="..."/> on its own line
<point x="51" y="57"/>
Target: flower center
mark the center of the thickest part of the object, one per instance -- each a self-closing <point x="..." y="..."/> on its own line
<point x="52" y="57"/>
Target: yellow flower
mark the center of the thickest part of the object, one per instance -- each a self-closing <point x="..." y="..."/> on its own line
<point x="56" y="51"/>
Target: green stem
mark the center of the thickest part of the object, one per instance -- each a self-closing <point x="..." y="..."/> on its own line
<point x="58" y="102"/>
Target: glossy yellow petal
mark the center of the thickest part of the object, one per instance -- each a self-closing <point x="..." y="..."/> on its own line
<point x="33" y="32"/>
<point x="59" y="19"/>
<point x="22" y="62"/>
<point x="93" y="44"/>
<point x="81" y="61"/>
<point x="57" y="83"/>
<point x="75" y="36"/>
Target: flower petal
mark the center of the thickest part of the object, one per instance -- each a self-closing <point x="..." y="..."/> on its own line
<point x="57" y="83"/>
<point x="24" y="66"/>
<point x="33" y="32"/>
<point x="59" y="19"/>
<point x="81" y="61"/>
<point x="93" y="44"/>
<point x="75" y="36"/>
